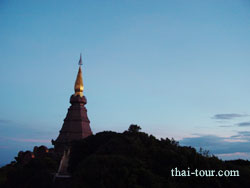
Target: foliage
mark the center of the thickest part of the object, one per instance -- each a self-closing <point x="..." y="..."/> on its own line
<point x="37" y="172"/>
<point x="136" y="159"/>
<point x="131" y="159"/>
<point x="134" y="128"/>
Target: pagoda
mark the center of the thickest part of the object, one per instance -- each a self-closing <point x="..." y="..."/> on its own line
<point x="76" y="125"/>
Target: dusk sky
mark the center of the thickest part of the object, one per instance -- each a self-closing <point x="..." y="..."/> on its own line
<point x="178" y="69"/>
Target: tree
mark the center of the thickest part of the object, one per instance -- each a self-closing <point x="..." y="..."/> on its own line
<point x="134" y="128"/>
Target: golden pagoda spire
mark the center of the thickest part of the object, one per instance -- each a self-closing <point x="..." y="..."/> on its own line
<point x="79" y="83"/>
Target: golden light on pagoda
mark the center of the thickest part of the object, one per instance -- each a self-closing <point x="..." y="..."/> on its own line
<point x="79" y="83"/>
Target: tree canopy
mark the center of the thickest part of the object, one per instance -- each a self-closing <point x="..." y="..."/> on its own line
<point x="131" y="159"/>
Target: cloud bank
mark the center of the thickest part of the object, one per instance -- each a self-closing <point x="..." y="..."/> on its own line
<point x="244" y="124"/>
<point x="228" y="116"/>
<point x="236" y="146"/>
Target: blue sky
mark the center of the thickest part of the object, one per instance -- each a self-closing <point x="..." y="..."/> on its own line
<point x="177" y="68"/>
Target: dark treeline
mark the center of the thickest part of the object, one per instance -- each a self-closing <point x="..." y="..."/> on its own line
<point x="131" y="159"/>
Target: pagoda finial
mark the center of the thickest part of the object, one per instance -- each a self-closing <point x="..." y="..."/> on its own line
<point x="80" y="61"/>
<point x="79" y="83"/>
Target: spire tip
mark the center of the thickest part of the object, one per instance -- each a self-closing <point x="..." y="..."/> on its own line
<point x="80" y="61"/>
<point x="79" y="83"/>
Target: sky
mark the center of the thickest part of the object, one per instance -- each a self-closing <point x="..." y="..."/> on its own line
<point x="179" y="69"/>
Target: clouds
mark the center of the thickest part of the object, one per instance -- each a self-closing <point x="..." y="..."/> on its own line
<point x="18" y="136"/>
<point x="225" y="125"/>
<point x="235" y="146"/>
<point x="226" y="147"/>
<point x="228" y="116"/>
<point x="10" y="146"/>
<point x="244" y="133"/>
<point x="236" y="155"/>
<point x="244" y="124"/>
<point x="30" y="140"/>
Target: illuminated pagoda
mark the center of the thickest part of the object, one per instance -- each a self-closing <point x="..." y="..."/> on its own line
<point x="76" y="124"/>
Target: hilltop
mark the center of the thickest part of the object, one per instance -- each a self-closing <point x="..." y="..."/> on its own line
<point x="123" y="160"/>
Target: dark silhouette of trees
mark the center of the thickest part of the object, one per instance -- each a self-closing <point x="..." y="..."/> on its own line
<point x="134" y="128"/>
<point x="131" y="159"/>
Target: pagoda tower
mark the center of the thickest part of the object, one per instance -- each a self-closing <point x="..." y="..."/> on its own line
<point x="76" y="125"/>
